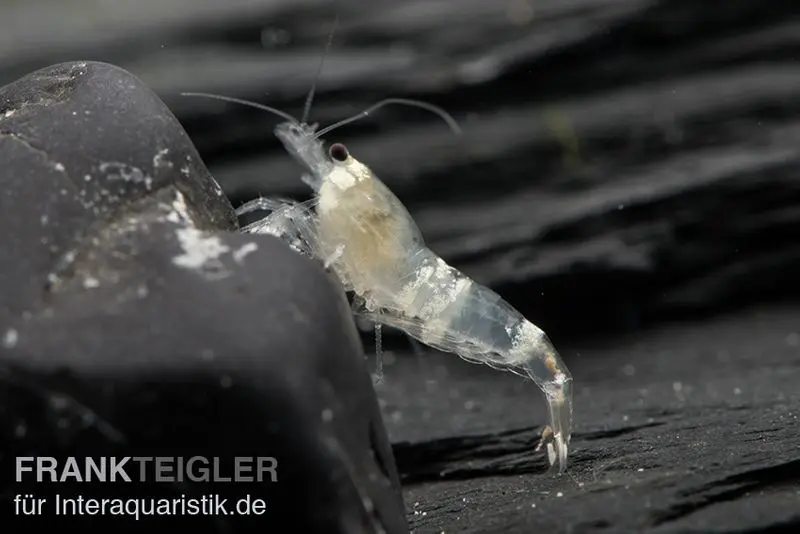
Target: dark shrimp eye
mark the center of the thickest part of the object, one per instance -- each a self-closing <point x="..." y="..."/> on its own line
<point x="339" y="152"/>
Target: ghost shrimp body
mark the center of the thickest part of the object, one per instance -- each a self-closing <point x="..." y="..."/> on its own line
<point x="372" y="243"/>
<point x="364" y="233"/>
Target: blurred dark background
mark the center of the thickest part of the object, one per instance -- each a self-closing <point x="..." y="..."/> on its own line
<point x="628" y="177"/>
<point x="621" y="161"/>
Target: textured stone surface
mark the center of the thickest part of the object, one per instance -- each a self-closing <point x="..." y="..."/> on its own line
<point x="136" y="322"/>
<point x="80" y="143"/>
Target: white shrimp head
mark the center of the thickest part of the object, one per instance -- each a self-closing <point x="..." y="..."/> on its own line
<point x="335" y="166"/>
<point x="303" y="141"/>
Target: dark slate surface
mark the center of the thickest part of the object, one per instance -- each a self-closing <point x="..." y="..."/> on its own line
<point x="682" y="428"/>
<point x="628" y="177"/>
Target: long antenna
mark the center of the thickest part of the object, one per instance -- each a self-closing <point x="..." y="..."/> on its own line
<point x="445" y="116"/>
<point x="310" y="97"/>
<point x="243" y="102"/>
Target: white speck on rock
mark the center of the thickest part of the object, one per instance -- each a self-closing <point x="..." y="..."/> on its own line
<point x="201" y="252"/>
<point x="159" y="161"/>
<point x="115" y="170"/>
<point x="217" y="187"/>
<point x="10" y="338"/>
<point x="180" y="210"/>
<point x="90" y="282"/>
<point x="239" y="255"/>
<point x="59" y="167"/>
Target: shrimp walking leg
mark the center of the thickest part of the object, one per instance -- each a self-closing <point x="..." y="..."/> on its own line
<point x="260" y="204"/>
<point x="364" y="324"/>
<point x="292" y="222"/>
<point x="377" y="378"/>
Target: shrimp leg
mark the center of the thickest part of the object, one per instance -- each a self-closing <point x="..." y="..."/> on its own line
<point x="292" y="222"/>
<point x="262" y="204"/>
<point x="378" y="376"/>
<point x="364" y="324"/>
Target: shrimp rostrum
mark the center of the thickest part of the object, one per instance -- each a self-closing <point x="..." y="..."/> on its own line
<point x="362" y="231"/>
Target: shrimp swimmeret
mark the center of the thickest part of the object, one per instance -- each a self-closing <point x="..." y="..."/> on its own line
<point x="362" y="231"/>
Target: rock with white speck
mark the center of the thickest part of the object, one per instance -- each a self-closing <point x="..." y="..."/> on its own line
<point x="72" y="172"/>
<point x="139" y="322"/>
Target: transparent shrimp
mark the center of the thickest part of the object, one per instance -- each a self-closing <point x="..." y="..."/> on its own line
<point x="366" y="235"/>
<point x="403" y="284"/>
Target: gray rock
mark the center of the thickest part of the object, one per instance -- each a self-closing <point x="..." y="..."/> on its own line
<point x="137" y="322"/>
